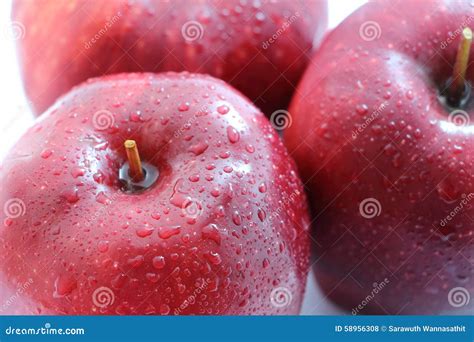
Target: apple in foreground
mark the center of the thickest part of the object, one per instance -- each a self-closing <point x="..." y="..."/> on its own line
<point x="201" y="212"/>
<point x="383" y="134"/>
<point x="259" y="47"/>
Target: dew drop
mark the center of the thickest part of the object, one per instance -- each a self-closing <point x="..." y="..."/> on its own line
<point x="144" y="231"/>
<point x="167" y="232"/>
<point x="232" y="134"/>
<point x="211" y="232"/>
<point x="159" y="262"/>
<point x="223" y="109"/>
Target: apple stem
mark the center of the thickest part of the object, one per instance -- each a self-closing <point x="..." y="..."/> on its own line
<point x="136" y="169"/>
<point x="457" y="86"/>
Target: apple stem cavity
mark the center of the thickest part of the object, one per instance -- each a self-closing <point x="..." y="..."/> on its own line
<point x="457" y="87"/>
<point x="136" y="169"/>
<point x="136" y="176"/>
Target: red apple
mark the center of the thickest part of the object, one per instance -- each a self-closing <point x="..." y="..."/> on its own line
<point x="218" y="225"/>
<point x="260" y="47"/>
<point x="389" y="165"/>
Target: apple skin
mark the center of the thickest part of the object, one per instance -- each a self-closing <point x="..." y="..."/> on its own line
<point x="367" y="123"/>
<point x="79" y="232"/>
<point x="57" y="51"/>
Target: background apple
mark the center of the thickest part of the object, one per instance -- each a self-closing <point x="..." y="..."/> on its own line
<point x="389" y="167"/>
<point x="260" y="47"/>
<point x="222" y="231"/>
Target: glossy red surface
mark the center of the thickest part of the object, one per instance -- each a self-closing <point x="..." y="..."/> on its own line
<point x="260" y="47"/>
<point x="390" y="169"/>
<point x="222" y="231"/>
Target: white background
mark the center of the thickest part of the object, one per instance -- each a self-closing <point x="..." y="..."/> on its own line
<point x="15" y="116"/>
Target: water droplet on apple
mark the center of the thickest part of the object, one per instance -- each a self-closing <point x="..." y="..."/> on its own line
<point x="213" y="257"/>
<point x="232" y="134"/>
<point x="236" y="218"/>
<point x="152" y="277"/>
<point x="261" y="214"/>
<point x="119" y="281"/>
<point x="250" y="148"/>
<point x="136" y="261"/>
<point x="194" y="178"/>
<point x="102" y="198"/>
<point x="159" y="262"/>
<point x="144" y="231"/>
<point x="198" y="148"/>
<point x="71" y="196"/>
<point x="211" y="232"/>
<point x="223" y="109"/>
<point x="167" y="232"/>
<point x="103" y="246"/>
<point x="64" y="285"/>
<point x="183" y="107"/>
<point x="46" y="153"/>
<point x="362" y="109"/>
